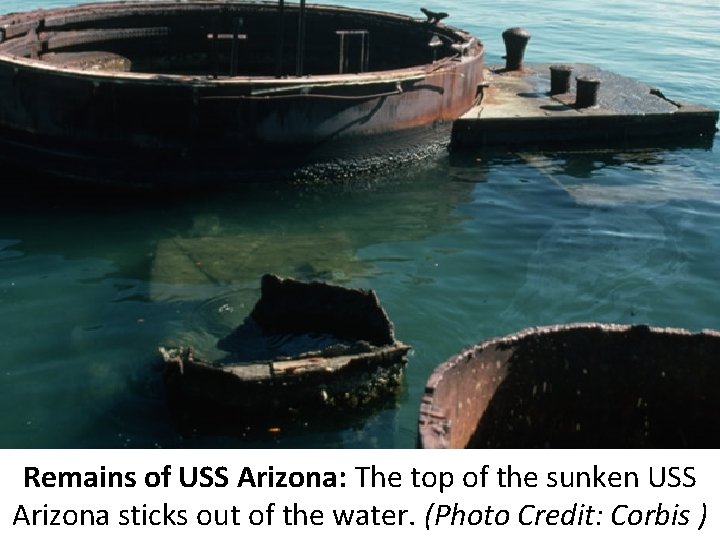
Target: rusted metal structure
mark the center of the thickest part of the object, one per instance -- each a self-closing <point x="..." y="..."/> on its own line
<point x="306" y="348"/>
<point x="577" y="386"/>
<point x="168" y="92"/>
<point x="537" y="106"/>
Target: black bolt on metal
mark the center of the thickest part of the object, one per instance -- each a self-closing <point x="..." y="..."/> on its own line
<point x="516" y="40"/>
<point x="587" y="91"/>
<point x="560" y="79"/>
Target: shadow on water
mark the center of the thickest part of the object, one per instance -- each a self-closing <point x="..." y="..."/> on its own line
<point x="580" y="160"/>
<point x="605" y="176"/>
<point x="207" y="426"/>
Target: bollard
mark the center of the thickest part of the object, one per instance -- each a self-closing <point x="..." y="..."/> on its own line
<point x="516" y="40"/>
<point x="560" y="79"/>
<point x="587" y="91"/>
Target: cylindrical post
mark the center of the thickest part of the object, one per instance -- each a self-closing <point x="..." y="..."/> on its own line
<point x="587" y="91"/>
<point x="364" y="51"/>
<point x="235" y="47"/>
<point x="300" y="59"/>
<point x="214" y="52"/>
<point x="280" y="44"/>
<point x="366" y="58"/>
<point x="560" y="79"/>
<point x="341" y="67"/>
<point x="516" y="39"/>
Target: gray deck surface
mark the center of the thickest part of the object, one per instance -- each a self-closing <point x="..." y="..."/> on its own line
<point x="516" y="108"/>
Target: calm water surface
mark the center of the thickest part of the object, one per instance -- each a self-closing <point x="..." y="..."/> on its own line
<point x="458" y="250"/>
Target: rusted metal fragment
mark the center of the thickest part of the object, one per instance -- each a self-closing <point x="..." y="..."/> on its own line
<point x="91" y="60"/>
<point x="61" y="40"/>
<point x="577" y="386"/>
<point x="295" y="307"/>
<point x="363" y="365"/>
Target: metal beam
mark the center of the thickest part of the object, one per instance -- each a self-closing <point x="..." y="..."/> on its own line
<point x="300" y="58"/>
<point x="280" y="39"/>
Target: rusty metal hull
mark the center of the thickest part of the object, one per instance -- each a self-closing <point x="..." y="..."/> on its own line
<point x="64" y="115"/>
<point x="267" y="372"/>
<point x="577" y="386"/>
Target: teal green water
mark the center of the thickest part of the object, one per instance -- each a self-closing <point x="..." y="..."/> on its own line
<point x="458" y="250"/>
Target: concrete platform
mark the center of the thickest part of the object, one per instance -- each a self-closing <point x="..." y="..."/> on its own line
<point x="515" y="109"/>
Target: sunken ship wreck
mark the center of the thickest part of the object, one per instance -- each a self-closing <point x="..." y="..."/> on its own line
<point x="306" y="349"/>
<point x="167" y="93"/>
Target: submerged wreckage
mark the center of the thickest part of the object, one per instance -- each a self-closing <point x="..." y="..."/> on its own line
<point x="305" y="348"/>
<point x="166" y="93"/>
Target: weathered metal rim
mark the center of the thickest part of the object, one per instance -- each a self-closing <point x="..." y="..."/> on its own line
<point x="551" y="329"/>
<point x="509" y="339"/>
<point x="397" y="75"/>
<point x="393" y="353"/>
<point x="429" y="421"/>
